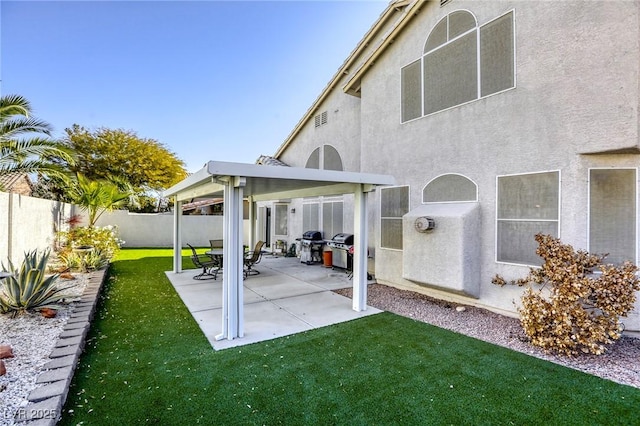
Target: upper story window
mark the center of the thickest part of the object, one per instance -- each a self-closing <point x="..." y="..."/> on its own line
<point x="330" y="157"/>
<point x="461" y="62"/>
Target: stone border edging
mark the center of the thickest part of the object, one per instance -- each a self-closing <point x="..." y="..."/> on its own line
<point x="46" y="402"/>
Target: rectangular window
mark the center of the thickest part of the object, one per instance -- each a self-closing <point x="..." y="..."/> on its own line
<point x="528" y="204"/>
<point x="281" y="219"/>
<point x="332" y="217"/>
<point x="451" y="74"/>
<point x="497" y="55"/>
<point x="612" y="214"/>
<point x="310" y="217"/>
<point x="394" y="203"/>
<point x="411" y="81"/>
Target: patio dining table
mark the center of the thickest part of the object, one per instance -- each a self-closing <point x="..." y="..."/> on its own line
<point x="216" y="254"/>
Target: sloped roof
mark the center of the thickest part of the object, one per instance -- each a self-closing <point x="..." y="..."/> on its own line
<point x="9" y="180"/>
<point x="403" y="11"/>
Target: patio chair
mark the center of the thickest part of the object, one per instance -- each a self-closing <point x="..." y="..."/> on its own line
<point x="216" y="244"/>
<point x="210" y="266"/>
<point x="251" y="258"/>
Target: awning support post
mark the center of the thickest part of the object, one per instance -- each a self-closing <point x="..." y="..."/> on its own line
<point x="232" y="277"/>
<point x="360" y="245"/>
<point x="177" y="237"/>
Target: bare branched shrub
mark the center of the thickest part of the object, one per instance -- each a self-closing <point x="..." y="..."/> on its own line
<point x="574" y="309"/>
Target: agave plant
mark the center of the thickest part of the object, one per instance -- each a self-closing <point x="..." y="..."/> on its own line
<point x="29" y="288"/>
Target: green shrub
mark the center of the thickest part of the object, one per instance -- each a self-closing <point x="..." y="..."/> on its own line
<point x="103" y="240"/>
<point x="83" y="261"/>
<point x="581" y="309"/>
<point x="29" y="288"/>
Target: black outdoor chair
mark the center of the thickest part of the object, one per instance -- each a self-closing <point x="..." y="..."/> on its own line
<point x="210" y="266"/>
<point x="251" y="258"/>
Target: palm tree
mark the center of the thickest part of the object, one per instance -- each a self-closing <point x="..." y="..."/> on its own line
<point x="20" y="152"/>
<point x="96" y="197"/>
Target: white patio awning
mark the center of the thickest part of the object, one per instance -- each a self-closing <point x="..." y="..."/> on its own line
<point x="236" y="181"/>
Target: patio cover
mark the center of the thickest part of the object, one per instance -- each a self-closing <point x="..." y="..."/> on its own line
<point x="236" y="181"/>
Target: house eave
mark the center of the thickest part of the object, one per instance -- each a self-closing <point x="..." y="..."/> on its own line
<point x="392" y="9"/>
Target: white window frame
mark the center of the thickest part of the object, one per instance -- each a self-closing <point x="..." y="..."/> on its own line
<point x="392" y="217"/>
<point x="477" y="28"/>
<point x="559" y="222"/>
<point x="450" y="202"/>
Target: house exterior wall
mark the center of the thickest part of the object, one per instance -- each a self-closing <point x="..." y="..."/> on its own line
<point x="574" y="107"/>
<point x="576" y="92"/>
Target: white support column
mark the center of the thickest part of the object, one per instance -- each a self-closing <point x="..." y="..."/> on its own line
<point x="232" y="278"/>
<point x="360" y="251"/>
<point x="252" y="223"/>
<point x="177" y="237"/>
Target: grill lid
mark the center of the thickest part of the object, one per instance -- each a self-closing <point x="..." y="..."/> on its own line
<point x="312" y="235"/>
<point x="343" y="238"/>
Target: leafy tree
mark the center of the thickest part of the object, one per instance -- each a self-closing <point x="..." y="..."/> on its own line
<point x="25" y="146"/>
<point x="97" y="196"/>
<point x="145" y="164"/>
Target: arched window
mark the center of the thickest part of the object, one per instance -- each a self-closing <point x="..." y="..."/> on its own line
<point x="331" y="159"/>
<point x="461" y="62"/>
<point x="324" y="213"/>
<point x="450" y="188"/>
<point x="313" y="162"/>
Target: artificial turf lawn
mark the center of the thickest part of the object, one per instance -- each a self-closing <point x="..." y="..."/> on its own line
<point x="147" y="362"/>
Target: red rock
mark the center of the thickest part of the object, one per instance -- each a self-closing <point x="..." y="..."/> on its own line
<point x="3" y="369"/>
<point x="6" y="351"/>
<point x="48" y="312"/>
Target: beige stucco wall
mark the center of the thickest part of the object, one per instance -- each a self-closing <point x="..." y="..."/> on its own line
<point x="577" y="82"/>
<point x="28" y="223"/>
<point x="156" y="229"/>
<point x="577" y="91"/>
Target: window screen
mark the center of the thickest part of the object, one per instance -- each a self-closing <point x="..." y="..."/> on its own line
<point x="281" y="219"/>
<point x="497" y="55"/>
<point x="451" y="74"/>
<point x="332" y="218"/>
<point x="612" y="214"/>
<point x="460" y="63"/>
<point x="450" y="188"/>
<point x="310" y="217"/>
<point x="411" y="91"/>
<point x="527" y="204"/>
<point x="332" y="160"/>
<point x="314" y="160"/>
<point x="394" y="203"/>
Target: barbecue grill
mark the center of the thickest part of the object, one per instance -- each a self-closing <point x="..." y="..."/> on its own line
<point x="340" y="245"/>
<point x="311" y="245"/>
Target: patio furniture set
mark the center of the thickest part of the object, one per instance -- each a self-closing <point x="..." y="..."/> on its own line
<point x="211" y="260"/>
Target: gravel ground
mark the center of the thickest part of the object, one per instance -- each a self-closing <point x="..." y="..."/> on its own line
<point x="32" y="338"/>
<point x="621" y="362"/>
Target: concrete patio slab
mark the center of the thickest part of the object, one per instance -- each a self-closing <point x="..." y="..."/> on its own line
<point x="287" y="297"/>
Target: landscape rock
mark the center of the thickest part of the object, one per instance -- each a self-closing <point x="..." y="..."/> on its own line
<point x="6" y="351"/>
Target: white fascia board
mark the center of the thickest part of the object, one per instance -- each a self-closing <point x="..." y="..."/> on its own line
<point x="219" y="168"/>
<point x="195" y="179"/>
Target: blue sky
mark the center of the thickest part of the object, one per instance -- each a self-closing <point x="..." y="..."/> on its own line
<point x="211" y="80"/>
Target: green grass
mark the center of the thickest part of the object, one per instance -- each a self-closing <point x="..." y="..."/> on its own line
<point x="147" y="362"/>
